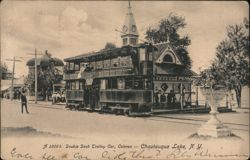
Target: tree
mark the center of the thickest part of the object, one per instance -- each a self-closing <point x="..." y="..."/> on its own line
<point x="3" y="70"/>
<point x="232" y="59"/>
<point x="47" y="74"/>
<point x="168" y="29"/>
<point x="109" y="45"/>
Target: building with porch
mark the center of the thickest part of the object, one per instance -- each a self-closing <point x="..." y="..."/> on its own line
<point x="49" y="72"/>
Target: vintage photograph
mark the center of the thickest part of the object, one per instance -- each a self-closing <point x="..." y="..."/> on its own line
<point x="124" y="80"/>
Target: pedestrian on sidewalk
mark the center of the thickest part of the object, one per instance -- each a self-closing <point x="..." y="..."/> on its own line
<point x="24" y="100"/>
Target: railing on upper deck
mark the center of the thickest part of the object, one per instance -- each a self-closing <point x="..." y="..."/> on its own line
<point x="99" y="73"/>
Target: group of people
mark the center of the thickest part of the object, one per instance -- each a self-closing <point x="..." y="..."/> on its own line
<point x="58" y="97"/>
<point x="16" y="94"/>
<point x="161" y="98"/>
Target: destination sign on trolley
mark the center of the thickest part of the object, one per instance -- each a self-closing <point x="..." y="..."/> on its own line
<point x="170" y="78"/>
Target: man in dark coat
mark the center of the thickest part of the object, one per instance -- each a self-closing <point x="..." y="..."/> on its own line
<point x="24" y="100"/>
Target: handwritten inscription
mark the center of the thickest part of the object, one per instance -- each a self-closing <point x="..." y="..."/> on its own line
<point x="46" y="156"/>
<point x="125" y="152"/>
<point x="15" y="154"/>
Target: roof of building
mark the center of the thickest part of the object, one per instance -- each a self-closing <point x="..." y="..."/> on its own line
<point x="18" y="82"/>
<point x="106" y="53"/>
<point x="45" y="60"/>
<point x="162" y="47"/>
<point x="101" y="55"/>
<point x="172" y="69"/>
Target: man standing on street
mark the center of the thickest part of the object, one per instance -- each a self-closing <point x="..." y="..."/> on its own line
<point x="24" y="100"/>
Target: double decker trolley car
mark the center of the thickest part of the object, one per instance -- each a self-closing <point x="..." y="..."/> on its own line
<point x="128" y="80"/>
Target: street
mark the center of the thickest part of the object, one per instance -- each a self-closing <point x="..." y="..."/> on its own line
<point x="49" y="123"/>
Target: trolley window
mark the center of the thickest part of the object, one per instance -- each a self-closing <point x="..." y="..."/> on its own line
<point x="77" y="85"/>
<point x="138" y="84"/>
<point x="71" y="66"/>
<point x="148" y="84"/>
<point x="106" y="63"/>
<point x="129" y="83"/>
<point x="73" y="85"/>
<point x="67" y="65"/>
<point x="67" y="85"/>
<point x="103" y="84"/>
<point x="115" y="63"/>
<point x="99" y="65"/>
<point x="81" y="87"/>
<point x="142" y="54"/>
<point x="120" y="83"/>
<point x="92" y="65"/>
<point x="112" y="83"/>
<point x="77" y="68"/>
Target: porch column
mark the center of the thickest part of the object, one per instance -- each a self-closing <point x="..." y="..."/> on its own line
<point x="197" y="92"/>
<point x="181" y="96"/>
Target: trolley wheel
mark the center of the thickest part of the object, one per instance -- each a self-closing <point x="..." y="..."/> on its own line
<point x="127" y="112"/>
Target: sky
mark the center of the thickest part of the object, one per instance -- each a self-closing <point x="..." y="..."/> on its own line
<point x="68" y="29"/>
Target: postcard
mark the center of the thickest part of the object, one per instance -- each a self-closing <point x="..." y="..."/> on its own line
<point x="124" y="80"/>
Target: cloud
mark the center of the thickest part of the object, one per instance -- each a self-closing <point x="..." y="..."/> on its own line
<point x="71" y="28"/>
<point x="74" y="19"/>
<point x="63" y="34"/>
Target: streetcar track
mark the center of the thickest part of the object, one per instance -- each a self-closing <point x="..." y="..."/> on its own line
<point x="163" y="118"/>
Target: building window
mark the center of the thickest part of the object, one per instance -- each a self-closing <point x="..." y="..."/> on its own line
<point x="133" y="41"/>
<point x="168" y="58"/>
<point x="142" y="54"/>
<point x="125" y="41"/>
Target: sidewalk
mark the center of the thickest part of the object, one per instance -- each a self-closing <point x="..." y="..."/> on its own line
<point x="44" y="104"/>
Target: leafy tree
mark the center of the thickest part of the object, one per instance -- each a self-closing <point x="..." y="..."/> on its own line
<point x="168" y="29"/>
<point x="231" y="66"/>
<point x="109" y="45"/>
<point x="47" y="75"/>
<point x="3" y="70"/>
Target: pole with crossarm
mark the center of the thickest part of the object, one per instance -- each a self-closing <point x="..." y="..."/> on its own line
<point x="13" y="75"/>
<point x="35" y="73"/>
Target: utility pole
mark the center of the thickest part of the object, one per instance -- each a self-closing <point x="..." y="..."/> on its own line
<point x="35" y="76"/>
<point x="13" y="75"/>
<point x="35" y="73"/>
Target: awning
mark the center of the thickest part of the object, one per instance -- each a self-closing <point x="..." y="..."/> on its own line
<point x="5" y="87"/>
